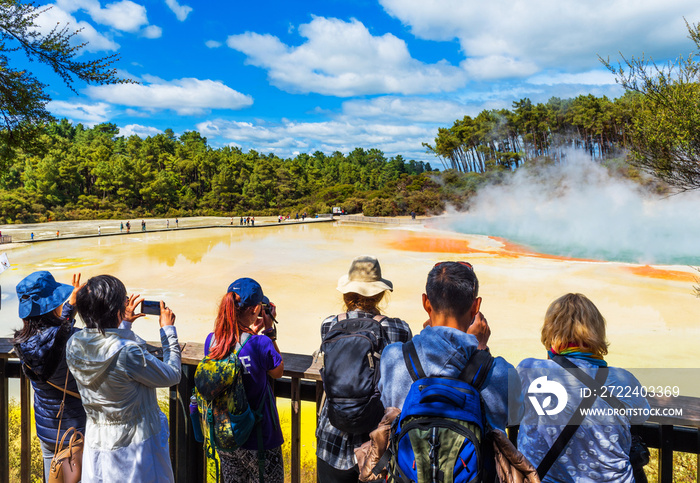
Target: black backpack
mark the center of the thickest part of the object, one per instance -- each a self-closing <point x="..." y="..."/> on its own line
<point x="349" y="356"/>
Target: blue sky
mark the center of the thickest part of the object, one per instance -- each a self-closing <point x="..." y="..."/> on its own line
<point x="299" y="76"/>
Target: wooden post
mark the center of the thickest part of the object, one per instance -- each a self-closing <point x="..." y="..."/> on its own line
<point x="26" y="429"/>
<point x="188" y="462"/>
<point x="666" y="455"/>
<point x="4" y="424"/>
<point x="296" y="430"/>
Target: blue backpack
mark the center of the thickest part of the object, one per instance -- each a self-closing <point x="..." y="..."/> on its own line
<point x="437" y="437"/>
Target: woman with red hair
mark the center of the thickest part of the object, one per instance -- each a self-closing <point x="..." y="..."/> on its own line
<point x="245" y="320"/>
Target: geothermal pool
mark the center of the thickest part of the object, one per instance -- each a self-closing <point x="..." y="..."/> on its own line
<point x="650" y="309"/>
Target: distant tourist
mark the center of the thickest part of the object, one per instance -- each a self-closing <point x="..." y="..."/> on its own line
<point x="252" y="221"/>
<point x="241" y="220"/>
<point x="121" y="226"/>
<point x="177" y="223"/>
<point x="167" y="223"/>
<point x="127" y="435"/>
<point x="99" y="230"/>
<point x="58" y="233"/>
<point x="413" y="215"/>
<point x="243" y="325"/>
<point x="40" y="345"/>
<point x="143" y="225"/>
<point x="128" y="226"/>
<point x="31" y="235"/>
<point x="231" y="221"/>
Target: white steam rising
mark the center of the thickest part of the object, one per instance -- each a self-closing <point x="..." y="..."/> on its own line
<point x="578" y="209"/>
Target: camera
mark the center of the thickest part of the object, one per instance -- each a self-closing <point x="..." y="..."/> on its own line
<point x="267" y="308"/>
<point x="150" y="307"/>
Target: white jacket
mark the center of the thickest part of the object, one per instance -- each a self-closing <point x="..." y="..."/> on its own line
<point x="126" y="435"/>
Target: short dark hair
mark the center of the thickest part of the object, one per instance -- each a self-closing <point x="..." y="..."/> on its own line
<point x="101" y="302"/>
<point x="452" y="288"/>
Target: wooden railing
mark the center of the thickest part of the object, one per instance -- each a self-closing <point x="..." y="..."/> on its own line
<point x="5" y="239"/>
<point x="301" y="382"/>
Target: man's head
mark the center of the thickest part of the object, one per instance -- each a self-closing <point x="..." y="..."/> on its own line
<point x="452" y="290"/>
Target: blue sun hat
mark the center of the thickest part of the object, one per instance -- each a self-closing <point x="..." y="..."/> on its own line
<point x="248" y="290"/>
<point x="39" y="293"/>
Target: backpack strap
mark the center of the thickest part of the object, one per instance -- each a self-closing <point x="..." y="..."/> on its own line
<point x="478" y="368"/>
<point x="576" y="419"/>
<point x="592" y="384"/>
<point x="410" y="357"/>
<point x="240" y="344"/>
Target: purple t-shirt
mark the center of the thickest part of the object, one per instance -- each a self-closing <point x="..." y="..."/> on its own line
<point x="259" y="356"/>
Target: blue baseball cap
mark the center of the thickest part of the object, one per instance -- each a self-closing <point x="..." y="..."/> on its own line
<point x="39" y="294"/>
<point x="248" y="290"/>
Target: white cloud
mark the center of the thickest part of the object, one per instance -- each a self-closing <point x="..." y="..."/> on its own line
<point x="408" y="109"/>
<point x="88" y="114"/>
<point x="96" y="42"/>
<point x="213" y="44"/>
<point x="344" y="59"/>
<point x="545" y="34"/>
<point x="180" y="11"/>
<point x="138" y="130"/>
<point x="186" y="96"/>
<point x="152" y="32"/>
<point x="124" y="15"/>
<point x="497" y="66"/>
<point x="288" y="138"/>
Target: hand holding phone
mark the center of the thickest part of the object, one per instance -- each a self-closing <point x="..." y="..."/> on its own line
<point x="129" y="311"/>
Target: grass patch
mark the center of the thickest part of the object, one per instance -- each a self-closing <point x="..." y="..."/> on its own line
<point x="685" y="467"/>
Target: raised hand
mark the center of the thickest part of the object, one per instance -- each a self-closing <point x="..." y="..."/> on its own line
<point x="481" y="330"/>
<point x="76" y="288"/>
<point x="131" y="304"/>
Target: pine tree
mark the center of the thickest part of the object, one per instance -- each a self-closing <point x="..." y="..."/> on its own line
<point x="23" y="97"/>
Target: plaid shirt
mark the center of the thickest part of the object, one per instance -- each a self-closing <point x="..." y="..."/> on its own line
<point x="336" y="447"/>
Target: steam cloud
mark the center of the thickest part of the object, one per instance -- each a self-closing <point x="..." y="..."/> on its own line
<point x="578" y="209"/>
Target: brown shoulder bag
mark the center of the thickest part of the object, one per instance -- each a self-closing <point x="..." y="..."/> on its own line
<point x="67" y="463"/>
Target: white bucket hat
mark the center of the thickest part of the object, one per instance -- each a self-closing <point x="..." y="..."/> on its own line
<point x="364" y="278"/>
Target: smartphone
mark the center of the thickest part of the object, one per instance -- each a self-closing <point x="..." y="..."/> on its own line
<point x="150" y="307"/>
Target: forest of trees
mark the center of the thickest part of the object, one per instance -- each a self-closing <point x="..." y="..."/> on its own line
<point x="74" y="172"/>
<point x="507" y="138"/>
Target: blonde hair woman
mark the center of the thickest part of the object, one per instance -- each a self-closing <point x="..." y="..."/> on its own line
<point x="553" y="435"/>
